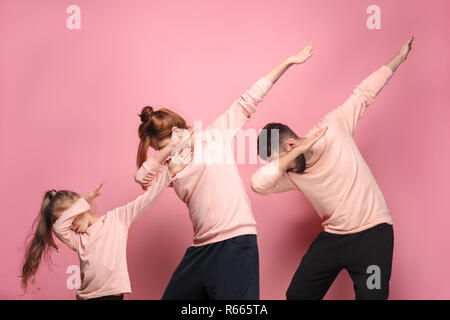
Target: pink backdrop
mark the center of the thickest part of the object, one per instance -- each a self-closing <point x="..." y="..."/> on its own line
<point x="69" y="101"/>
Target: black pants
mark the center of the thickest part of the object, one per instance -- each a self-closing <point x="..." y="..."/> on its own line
<point x="228" y="269"/>
<point x="109" y="298"/>
<point x="366" y="255"/>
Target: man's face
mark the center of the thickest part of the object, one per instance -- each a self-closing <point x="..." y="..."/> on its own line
<point x="298" y="164"/>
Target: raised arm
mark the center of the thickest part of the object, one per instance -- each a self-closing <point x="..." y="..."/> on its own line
<point x="400" y="57"/>
<point x="346" y="116"/>
<point x="241" y="109"/>
<point x="298" y="58"/>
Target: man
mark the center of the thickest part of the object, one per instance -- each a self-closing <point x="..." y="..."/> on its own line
<point x="328" y="169"/>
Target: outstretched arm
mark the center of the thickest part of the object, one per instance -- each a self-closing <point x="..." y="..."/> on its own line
<point x="400" y="57"/>
<point x="346" y="116"/>
<point x="298" y="58"/>
<point x="241" y="109"/>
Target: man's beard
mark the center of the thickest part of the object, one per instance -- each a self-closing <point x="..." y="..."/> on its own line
<point x="299" y="164"/>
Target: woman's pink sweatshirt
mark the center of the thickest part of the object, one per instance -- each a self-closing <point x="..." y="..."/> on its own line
<point x="213" y="191"/>
<point x="337" y="181"/>
<point x="102" y="248"/>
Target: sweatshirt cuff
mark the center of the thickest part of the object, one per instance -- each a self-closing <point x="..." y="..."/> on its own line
<point x="169" y="178"/>
<point x="265" y="178"/>
<point x="262" y="86"/>
<point x="386" y="72"/>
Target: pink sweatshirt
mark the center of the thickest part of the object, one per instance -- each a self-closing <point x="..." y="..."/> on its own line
<point x="102" y="248"/>
<point x="337" y="181"/>
<point x="214" y="192"/>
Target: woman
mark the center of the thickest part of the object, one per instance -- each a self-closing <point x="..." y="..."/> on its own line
<point x="223" y="262"/>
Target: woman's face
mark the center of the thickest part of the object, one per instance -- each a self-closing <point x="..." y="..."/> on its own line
<point x="158" y="145"/>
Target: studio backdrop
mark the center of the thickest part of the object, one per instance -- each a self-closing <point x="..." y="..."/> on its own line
<point x="75" y="74"/>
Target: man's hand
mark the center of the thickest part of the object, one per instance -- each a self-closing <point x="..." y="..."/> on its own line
<point x="303" y="55"/>
<point x="406" y="48"/>
<point x="395" y="62"/>
<point x="306" y="144"/>
<point x="94" y="193"/>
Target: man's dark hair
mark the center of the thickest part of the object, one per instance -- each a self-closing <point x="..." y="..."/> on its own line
<point x="284" y="132"/>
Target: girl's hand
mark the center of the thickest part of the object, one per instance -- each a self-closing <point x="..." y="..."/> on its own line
<point x="303" y="55"/>
<point x="94" y="193"/>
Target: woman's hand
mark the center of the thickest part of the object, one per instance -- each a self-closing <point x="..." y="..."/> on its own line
<point x="303" y="55"/>
<point x="179" y="162"/>
<point x="94" y="193"/>
<point x="299" y="58"/>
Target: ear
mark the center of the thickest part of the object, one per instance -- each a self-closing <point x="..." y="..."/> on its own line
<point x="290" y="144"/>
<point x="174" y="128"/>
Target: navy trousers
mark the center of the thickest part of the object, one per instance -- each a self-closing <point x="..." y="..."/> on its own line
<point x="224" y="270"/>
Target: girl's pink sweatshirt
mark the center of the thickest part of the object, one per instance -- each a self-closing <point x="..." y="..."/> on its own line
<point x="102" y="248"/>
<point x="212" y="189"/>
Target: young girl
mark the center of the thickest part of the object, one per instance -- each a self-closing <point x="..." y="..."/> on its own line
<point x="100" y="242"/>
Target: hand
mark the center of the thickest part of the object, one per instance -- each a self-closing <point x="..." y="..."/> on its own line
<point x="309" y="141"/>
<point x="406" y="48"/>
<point x="179" y="162"/>
<point x="94" y="193"/>
<point x="81" y="223"/>
<point x="303" y="55"/>
<point x="180" y="139"/>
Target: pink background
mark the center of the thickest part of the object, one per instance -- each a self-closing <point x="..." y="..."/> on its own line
<point x="69" y="101"/>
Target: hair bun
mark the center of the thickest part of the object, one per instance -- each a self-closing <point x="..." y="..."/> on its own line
<point x="146" y="114"/>
<point x="50" y="194"/>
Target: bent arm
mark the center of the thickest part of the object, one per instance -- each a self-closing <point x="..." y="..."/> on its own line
<point x="146" y="174"/>
<point x="269" y="179"/>
<point x="61" y="227"/>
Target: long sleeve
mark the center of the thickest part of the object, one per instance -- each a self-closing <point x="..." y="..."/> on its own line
<point x="347" y="115"/>
<point x="241" y="109"/>
<point x="148" y="171"/>
<point x="131" y="211"/>
<point x="61" y="227"/>
<point x="268" y="179"/>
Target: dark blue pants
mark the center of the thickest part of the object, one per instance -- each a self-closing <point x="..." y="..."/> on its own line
<point x="227" y="269"/>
